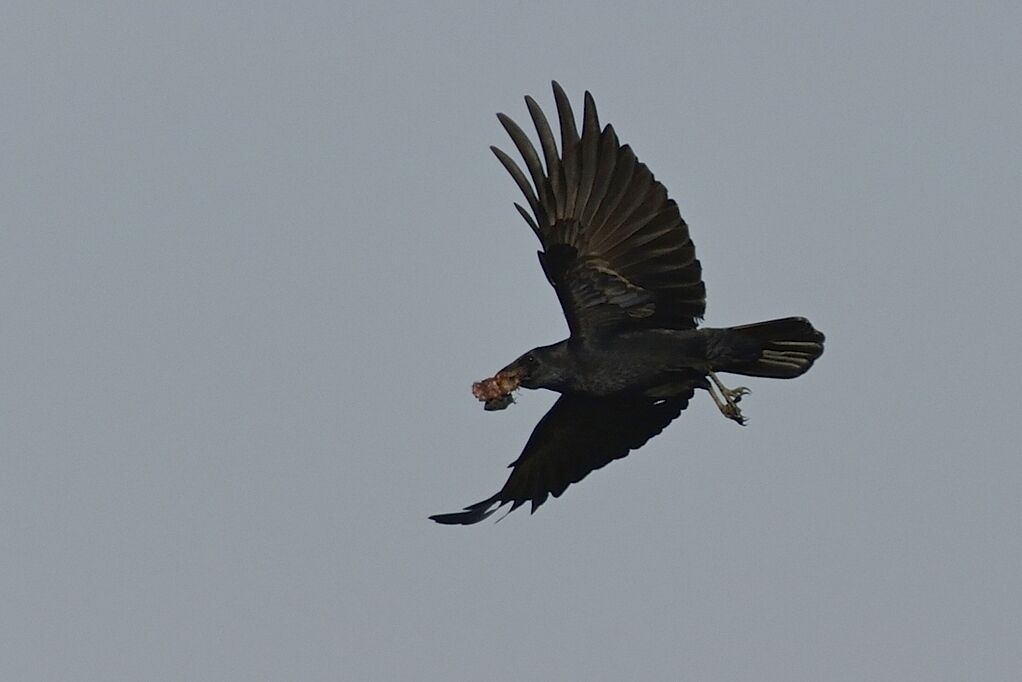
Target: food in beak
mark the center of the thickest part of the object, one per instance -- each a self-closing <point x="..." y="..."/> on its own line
<point x="496" y="391"/>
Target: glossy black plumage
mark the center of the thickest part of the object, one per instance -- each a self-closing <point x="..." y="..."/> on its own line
<point x="623" y="266"/>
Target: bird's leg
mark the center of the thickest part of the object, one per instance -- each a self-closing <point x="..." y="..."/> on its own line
<point x="728" y="400"/>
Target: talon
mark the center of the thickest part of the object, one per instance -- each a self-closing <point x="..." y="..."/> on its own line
<point x="735" y="394"/>
<point x="732" y="412"/>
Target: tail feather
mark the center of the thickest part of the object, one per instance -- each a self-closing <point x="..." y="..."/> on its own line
<point x="787" y="348"/>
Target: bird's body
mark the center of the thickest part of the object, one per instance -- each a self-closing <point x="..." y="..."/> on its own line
<point x="623" y="266"/>
<point x="636" y="362"/>
<point x="629" y="363"/>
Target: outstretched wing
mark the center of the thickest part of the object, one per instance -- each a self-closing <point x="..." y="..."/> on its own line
<point x="578" y="435"/>
<point x="615" y="248"/>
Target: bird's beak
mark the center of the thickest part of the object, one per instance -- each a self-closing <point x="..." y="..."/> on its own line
<point x="513" y="371"/>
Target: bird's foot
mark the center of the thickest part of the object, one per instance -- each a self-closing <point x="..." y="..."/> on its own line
<point x="728" y="400"/>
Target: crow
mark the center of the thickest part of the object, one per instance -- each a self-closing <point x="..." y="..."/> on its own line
<point x="619" y="257"/>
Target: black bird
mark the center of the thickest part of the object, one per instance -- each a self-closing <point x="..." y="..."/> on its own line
<point x="619" y="257"/>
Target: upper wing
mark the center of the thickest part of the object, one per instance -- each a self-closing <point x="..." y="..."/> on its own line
<point x="615" y="248"/>
<point x="578" y="435"/>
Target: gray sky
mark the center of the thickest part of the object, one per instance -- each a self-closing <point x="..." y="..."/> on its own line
<point x="254" y="254"/>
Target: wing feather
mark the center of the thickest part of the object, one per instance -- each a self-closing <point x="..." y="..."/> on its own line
<point x="520" y="180"/>
<point x="554" y="171"/>
<point x="569" y="149"/>
<point x="590" y="145"/>
<point x="606" y="163"/>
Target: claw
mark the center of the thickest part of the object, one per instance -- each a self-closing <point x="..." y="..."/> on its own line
<point x="735" y="394"/>
<point x="732" y="412"/>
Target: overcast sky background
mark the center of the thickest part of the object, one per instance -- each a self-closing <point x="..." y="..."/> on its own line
<point x="254" y="254"/>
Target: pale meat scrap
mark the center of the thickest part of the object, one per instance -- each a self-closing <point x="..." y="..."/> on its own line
<point x="496" y="391"/>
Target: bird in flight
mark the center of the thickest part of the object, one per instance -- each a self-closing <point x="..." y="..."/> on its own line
<point x="620" y="259"/>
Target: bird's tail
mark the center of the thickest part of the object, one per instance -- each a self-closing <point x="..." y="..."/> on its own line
<point x="779" y="349"/>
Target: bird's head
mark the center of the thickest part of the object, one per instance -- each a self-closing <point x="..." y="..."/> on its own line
<point x="542" y="367"/>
